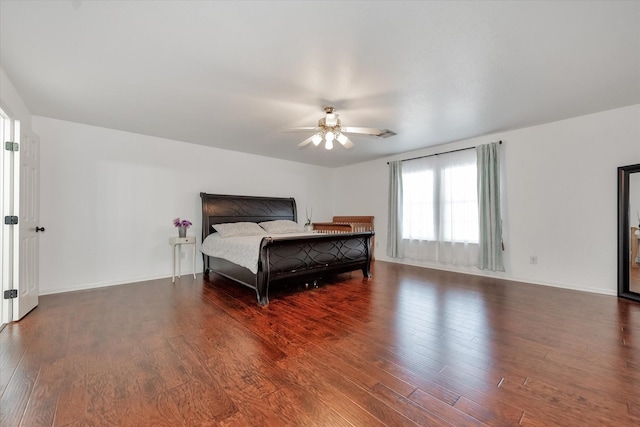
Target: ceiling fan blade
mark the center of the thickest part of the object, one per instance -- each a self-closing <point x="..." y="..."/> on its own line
<point x="381" y="133"/>
<point x="364" y="131"/>
<point x="305" y="142"/>
<point x="302" y="129"/>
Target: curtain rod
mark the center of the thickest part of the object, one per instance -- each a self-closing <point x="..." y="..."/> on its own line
<point x="445" y="152"/>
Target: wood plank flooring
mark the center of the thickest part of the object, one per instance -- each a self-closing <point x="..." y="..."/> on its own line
<point x="408" y="347"/>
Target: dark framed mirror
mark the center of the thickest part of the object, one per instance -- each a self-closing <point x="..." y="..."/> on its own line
<point x="629" y="232"/>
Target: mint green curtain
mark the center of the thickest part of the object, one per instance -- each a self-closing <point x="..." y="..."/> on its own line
<point x="394" y="227"/>
<point x="490" y="251"/>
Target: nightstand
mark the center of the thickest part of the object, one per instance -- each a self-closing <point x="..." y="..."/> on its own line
<point x="175" y="243"/>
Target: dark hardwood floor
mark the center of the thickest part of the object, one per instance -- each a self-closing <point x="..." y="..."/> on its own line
<point x="408" y="347"/>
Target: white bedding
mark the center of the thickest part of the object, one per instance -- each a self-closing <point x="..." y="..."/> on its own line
<point x="241" y="250"/>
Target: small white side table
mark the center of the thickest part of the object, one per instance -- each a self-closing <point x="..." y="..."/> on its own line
<point x="176" y="242"/>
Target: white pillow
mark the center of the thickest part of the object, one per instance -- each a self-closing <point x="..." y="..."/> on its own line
<point x="282" y="226"/>
<point x="232" y="229"/>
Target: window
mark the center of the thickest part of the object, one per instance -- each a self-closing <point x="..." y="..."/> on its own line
<point x="440" y="198"/>
<point x="460" y="204"/>
<point x="418" y="205"/>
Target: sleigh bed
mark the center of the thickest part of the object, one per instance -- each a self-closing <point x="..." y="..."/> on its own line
<point x="300" y="258"/>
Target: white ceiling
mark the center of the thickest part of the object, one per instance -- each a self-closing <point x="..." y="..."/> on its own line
<point x="236" y="75"/>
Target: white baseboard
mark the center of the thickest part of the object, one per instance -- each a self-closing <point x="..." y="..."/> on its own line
<point x="98" y="285"/>
<point x="503" y="276"/>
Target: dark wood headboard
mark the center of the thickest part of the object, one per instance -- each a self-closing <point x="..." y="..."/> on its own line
<point x="222" y="208"/>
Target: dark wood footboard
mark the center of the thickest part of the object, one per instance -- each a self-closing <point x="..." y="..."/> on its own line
<point x="303" y="260"/>
<point x="311" y="258"/>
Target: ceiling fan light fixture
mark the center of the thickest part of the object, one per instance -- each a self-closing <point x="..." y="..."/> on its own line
<point x="330" y="129"/>
<point x="330" y="136"/>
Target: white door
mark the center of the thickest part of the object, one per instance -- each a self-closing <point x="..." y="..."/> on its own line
<point x="28" y="281"/>
<point x="10" y="131"/>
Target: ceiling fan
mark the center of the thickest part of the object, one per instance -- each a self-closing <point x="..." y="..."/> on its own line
<point x="330" y="129"/>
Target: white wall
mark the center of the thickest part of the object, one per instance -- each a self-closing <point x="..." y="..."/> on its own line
<point x="11" y="102"/>
<point x="108" y="199"/>
<point x="560" y="197"/>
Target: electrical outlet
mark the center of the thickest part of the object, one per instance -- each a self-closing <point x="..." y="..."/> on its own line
<point x="533" y="260"/>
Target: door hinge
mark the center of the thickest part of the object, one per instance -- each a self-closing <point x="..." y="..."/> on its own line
<point x="10" y="220"/>
<point x="11" y="146"/>
<point x="11" y="294"/>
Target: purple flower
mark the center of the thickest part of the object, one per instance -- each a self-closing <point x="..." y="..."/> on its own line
<point x="177" y="222"/>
